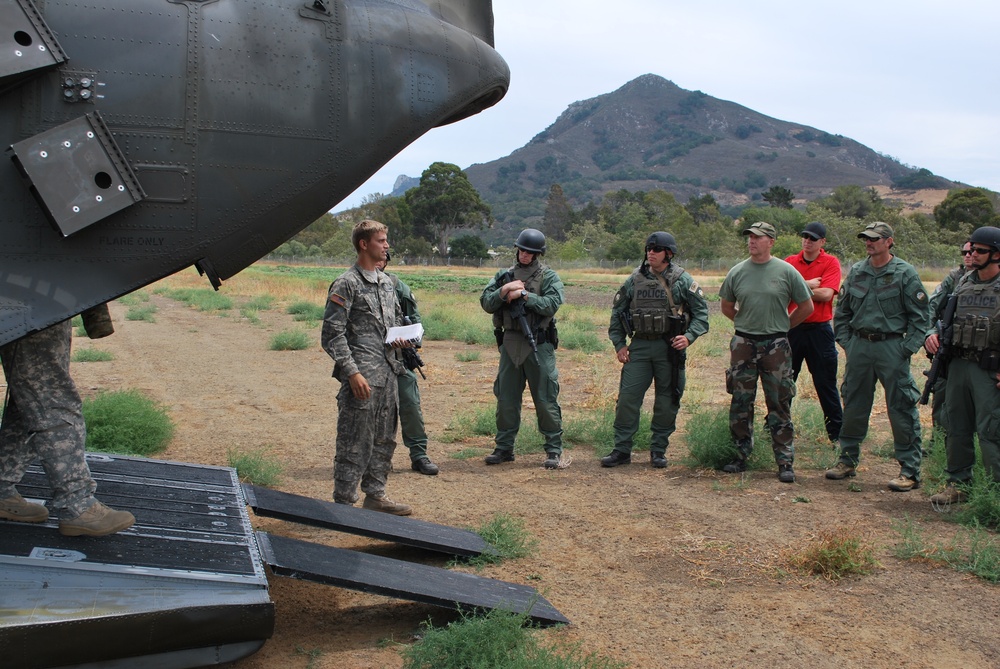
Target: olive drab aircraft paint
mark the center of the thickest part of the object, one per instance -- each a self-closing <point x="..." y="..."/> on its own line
<point x="146" y="136"/>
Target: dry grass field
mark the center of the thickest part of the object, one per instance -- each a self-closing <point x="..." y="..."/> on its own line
<point x="682" y="567"/>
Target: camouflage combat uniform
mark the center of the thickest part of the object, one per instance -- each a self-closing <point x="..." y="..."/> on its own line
<point x="411" y="418"/>
<point x="43" y="418"/>
<point x="650" y="353"/>
<point x="880" y="321"/>
<point x="360" y="308"/>
<point x="760" y="349"/>
<point x="517" y="361"/>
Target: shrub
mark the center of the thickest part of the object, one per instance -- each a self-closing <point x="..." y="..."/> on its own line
<point x="508" y="536"/>
<point x="711" y="444"/>
<point x="128" y="422"/>
<point x="92" y="355"/>
<point x="142" y="312"/>
<point x="498" y="640"/>
<point x="290" y="340"/>
<point x="306" y="311"/>
<point x="836" y="554"/>
<point x="255" y="466"/>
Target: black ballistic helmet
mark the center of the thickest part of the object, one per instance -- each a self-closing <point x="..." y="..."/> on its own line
<point x="531" y="240"/>
<point x="987" y="236"/>
<point x="662" y="239"/>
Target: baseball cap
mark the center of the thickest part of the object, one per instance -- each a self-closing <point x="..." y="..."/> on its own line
<point x="876" y="230"/>
<point x="761" y="229"/>
<point x="815" y="230"/>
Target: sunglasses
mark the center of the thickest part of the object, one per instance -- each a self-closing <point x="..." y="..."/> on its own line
<point x="980" y="251"/>
<point x="656" y="249"/>
<point x="966" y="253"/>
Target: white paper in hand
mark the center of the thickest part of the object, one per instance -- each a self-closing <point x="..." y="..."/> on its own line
<point x="413" y="333"/>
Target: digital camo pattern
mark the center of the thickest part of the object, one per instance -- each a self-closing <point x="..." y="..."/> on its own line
<point x="43" y="419"/>
<point x="366" y="440"/>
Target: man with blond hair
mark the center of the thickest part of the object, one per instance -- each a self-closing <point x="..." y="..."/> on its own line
<point x="360" y="309"/>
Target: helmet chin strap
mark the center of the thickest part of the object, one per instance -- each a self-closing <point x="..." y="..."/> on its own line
<point x="989" y="261"/>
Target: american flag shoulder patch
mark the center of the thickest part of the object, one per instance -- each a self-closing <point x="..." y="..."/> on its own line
<point x="337" y="299"/>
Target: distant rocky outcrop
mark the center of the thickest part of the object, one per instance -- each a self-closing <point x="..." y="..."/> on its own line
<point x="650" y="133"/>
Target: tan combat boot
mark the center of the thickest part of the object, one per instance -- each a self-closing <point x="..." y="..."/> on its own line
<point x="841" y="471"/>
<point x="19" y="509"/>
<point x="386" y="505"/>
<point x="97" y="521"/>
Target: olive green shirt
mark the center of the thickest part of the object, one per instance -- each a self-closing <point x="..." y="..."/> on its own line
<point x="685" y="291"/>
<point x="889" y="300"/>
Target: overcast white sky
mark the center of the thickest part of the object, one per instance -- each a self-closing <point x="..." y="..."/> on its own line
<point x="914" y="80"/>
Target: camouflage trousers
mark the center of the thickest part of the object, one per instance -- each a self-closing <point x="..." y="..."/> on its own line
<point x="411" y="418"/>
<point x="366" y="440"/>
<point x="770" y="360"/>
<point x="43" y="419"/>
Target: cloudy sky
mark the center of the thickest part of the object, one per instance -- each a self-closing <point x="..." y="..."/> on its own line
<point x="914" y="80"/>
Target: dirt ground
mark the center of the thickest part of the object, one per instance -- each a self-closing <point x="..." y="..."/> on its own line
<point x="655" y="568"/>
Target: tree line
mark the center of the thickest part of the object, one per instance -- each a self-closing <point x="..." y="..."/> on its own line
<point x="445" y="216"/>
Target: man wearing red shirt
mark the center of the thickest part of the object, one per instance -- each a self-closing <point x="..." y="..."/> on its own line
<point x="813" y="340"/>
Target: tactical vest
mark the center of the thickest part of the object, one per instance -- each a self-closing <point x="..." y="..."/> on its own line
<point x="531" y="276"/>
<point x="977" y="316"/>
<point x="650" y="307"/>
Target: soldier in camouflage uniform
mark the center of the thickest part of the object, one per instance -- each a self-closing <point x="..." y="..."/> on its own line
<point x="973" y="398"/>
<point x="43" y="419"/>
<point x="880" y="321"/>
<point x="755" y="295"/>
<point x="539" y="290"/>
<point x="360" y="309"/>
<point x="411" y="418"/>
<point x="936" y="305"/>
<point x="663" y="324"/>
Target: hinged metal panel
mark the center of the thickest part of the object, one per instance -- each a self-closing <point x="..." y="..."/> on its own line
<point x="77" y="173"/>
<point x="26" y="43"/>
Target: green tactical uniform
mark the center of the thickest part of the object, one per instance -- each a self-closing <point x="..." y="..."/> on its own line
<point x="411" y="418"/>
<point x="644" y="299"/>
<point x="880" y="321"/>
<point x="936" y="305"/>
<point x="973" y="403"/>
<point x="518" y="364"/>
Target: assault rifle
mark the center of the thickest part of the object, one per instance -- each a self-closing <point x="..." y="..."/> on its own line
<point x="678" y="359"/>
<point x="411" y="356"/>
<point x="516" y="309"/>
<point x="939" y="364"/>
<point x="625" y="316"/>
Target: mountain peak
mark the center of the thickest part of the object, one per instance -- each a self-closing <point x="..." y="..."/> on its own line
<point x="651" y="133"/>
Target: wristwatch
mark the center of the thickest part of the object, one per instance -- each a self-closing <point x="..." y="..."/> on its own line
<point x="524" y="293"/>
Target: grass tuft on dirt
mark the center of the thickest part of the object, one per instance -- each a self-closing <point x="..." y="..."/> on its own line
<point x="126" y="422"/>
<point x="290" y="340"/>
<point x="498" y="640"/>
<point x="255" y="466"/>
<point x="92" y="355"/>
<point x="835" y="554"/>
<point x="507" y="534"/>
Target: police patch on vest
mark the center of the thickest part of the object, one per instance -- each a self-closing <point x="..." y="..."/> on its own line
<point x="648" y="292"/>
<point x="976" y="301"/>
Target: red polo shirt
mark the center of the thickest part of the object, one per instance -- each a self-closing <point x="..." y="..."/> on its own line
<point x="827" y="268"/>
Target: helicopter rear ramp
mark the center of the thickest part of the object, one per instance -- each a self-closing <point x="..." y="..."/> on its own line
<point x="186" y="586"/>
